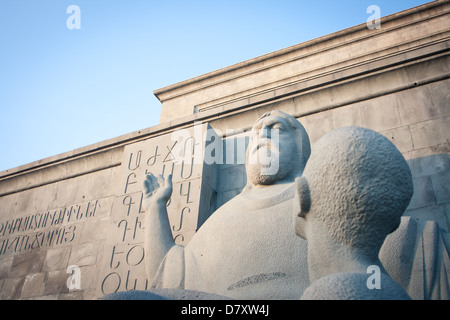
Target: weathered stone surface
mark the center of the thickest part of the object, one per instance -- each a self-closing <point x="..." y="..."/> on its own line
<point x="56" y="259"/>
<point x="164" y="294"/>
<point x="12" y="288"/>
<point x="34" y="285"/>
<point x="25" y="264"/>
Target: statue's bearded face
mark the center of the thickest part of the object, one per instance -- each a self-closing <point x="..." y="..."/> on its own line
<point x="272" y="154"/>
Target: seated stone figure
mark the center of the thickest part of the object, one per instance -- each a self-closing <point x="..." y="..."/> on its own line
<point x="246" y="249"/>
<point x="353" y="192"/>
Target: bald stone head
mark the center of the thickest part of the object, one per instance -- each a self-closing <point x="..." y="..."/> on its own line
<point x="357" y="184"/>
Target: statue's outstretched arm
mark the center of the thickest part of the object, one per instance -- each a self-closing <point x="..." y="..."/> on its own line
<point x="158" y="236"/>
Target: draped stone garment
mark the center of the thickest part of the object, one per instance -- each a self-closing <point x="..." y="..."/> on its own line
<point x="416" y="255"/>
<point x="246" y="250"/>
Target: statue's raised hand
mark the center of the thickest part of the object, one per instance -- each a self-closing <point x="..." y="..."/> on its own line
<point x="157" y="189"/>
<point x="158" y="234"/>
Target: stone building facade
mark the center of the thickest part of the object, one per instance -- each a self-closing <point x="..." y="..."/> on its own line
<point x="71" y="226"/>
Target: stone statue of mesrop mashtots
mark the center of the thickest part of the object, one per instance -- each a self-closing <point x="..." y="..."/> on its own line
<point x="246" y="249"/>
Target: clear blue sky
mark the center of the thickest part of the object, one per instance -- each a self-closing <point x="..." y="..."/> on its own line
<point x="62" y="89"/>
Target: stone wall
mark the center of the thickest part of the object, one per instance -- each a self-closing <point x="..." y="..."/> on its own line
<point x="89" y="222"/>
<point x="416" y="120"/>
<point x="71" y="226"/>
